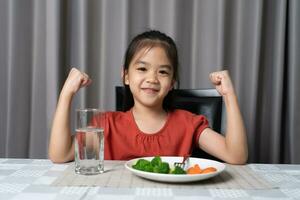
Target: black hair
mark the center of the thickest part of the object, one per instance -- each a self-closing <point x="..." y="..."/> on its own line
<point x="151" y="39"/>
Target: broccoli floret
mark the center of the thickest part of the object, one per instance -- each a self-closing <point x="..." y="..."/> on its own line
<point x="156" y="161"/>
<point x="148" y="168"/>
<point x="178" y="170"/>
<point x="162" y="168"/>
<point x="141" y="164"/>
<point x="155" y="165"/>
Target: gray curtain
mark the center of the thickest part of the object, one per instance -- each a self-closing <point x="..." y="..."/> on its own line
<point x="257" y="41"/>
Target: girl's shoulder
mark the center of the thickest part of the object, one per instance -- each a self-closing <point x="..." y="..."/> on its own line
<point x="117" y="116"/>
<point x="182" y="113"/>
<point x="114" y="114"/>
<point x="187" y="116"/>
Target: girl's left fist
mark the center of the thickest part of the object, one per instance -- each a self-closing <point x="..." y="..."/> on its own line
<point x="222" y="82"/>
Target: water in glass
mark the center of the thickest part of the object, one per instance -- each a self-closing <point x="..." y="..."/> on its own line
<point x="89" y="151"/>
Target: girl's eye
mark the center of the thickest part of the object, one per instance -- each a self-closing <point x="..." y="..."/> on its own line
<point x="163" y="72"/>
<point x="143" y="69"/>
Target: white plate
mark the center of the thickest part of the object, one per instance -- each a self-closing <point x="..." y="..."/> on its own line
<point x="203" y="163"/>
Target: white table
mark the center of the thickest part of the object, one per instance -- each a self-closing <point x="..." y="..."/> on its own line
<point x="32" y="179"/>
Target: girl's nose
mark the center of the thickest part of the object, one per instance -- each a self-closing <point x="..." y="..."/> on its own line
<point x="152" y="77"/>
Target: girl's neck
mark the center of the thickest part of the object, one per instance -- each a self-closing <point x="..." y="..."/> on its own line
<point x="149" y="120"/>
<point x="148" y="112"/>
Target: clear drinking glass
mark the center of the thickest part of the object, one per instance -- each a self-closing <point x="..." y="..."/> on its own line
<point x="89" y="142"/>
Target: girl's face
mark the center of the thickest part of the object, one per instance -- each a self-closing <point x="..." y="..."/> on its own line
<point x="150" y="77"/>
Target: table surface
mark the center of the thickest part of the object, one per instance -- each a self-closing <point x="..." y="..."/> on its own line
<point x="33" y="179"/>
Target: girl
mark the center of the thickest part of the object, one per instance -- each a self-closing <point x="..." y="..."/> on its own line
<point x="150" y="127"/>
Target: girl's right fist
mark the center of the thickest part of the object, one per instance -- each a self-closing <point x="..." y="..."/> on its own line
<point x="75" y="80"/>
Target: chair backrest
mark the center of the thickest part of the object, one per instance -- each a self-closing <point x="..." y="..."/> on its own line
<point x="207" y="102"/>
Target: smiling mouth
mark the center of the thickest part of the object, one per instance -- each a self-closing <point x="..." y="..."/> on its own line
<point x="150" y="90"/>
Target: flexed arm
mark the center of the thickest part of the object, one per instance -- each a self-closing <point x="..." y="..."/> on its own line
<point x="233" y="147"/>
<point x="61" y="146"/>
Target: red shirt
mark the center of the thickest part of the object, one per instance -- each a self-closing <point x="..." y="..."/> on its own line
<point x="124" y="140"/>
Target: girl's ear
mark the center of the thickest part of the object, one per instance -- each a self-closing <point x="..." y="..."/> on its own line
<point x="172" y="85"/>
<point x="124" y="75"/>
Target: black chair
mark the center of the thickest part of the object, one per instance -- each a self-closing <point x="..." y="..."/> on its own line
<point x="207" y="102"/>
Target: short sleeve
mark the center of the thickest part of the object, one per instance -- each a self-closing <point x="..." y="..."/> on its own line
<point x="200" y="123"/>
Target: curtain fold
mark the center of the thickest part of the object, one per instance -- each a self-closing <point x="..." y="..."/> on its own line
<point x="55" y="14"/>
<point x="19" y="74"/>
<point x="292" y="90"/>
<point x="270" y="76"/>
<point x="257" y="41"/>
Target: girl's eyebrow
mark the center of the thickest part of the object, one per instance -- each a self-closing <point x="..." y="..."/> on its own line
<point x="166" y="66"/>
<point x="146" y="63"/>
<point x="141" y="62"/>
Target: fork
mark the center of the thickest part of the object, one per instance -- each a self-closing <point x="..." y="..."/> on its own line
<point x="182" y="164"/>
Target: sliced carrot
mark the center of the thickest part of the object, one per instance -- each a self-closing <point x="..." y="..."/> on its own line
<point x="191" y="171"/>
<point x="194" y="170"/>
<point x="208" y="170"/>
<point x="197" y="167"/>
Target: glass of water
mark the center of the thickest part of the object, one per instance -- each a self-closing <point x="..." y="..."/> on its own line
<point x="89" y="142"/>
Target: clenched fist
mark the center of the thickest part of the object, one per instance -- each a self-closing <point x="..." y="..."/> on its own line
<point x="222" y="82"/>
<point x="75" y="80"/>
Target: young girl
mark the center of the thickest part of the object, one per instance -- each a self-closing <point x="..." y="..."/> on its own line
<point x="150" y="127"/>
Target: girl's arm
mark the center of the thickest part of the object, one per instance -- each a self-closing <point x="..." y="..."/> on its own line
<point x="61" y="146"/>
<point x="233" y="147"/>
